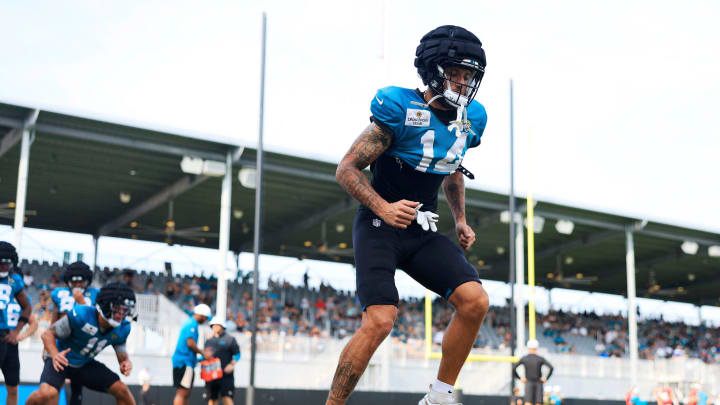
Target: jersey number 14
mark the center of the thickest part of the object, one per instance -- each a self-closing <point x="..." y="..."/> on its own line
<point x="88" y="350"/>
<point x="451" y="160"/>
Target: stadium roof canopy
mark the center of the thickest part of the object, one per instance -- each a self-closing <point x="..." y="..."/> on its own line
<point x="79" y="167"/>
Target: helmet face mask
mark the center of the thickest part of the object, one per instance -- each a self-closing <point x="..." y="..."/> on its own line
<point x="8" y="259"/>
<point x="5" y="268"/>
<point x="120" y="311"/>
<point x="78" y="283"/>
<point x="115" y="303"/>
<point x="465" y="75"/>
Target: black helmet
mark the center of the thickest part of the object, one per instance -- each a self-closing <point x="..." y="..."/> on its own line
<point x="8" y="254"/>
<point x="446" y="46"/>
<point x="115" y="297"/>
<point x="77" y="271"/>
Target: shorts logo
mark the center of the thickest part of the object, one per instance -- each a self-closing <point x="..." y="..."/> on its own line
<point x="417" y="118"/>
<point x="89" y="329"/>
<point x="376" y="223"/>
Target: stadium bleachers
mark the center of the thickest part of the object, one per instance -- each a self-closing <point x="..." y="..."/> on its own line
<point x="326" y="312"/>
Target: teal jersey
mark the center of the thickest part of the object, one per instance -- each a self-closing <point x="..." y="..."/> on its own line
<point x="10" y="286"/>
<point x="421" y="138"/>
<point x="14" y="310"/>
<point x="64" y="301"/>
<point x="85" y="339"/>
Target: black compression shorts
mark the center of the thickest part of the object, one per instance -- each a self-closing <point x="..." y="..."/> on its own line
<point x="92" y="374"/>
<point x="430" y="258"/>
<point x="222" y="387"/>
<point x="11" y="365"/>
<point x="534" y="392"/>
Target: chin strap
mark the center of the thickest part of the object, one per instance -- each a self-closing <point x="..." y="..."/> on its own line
<point x="427" y="105"/>
<point x="462" y="125"/>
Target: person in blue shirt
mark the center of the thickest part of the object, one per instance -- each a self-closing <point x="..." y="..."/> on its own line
<point x="186" y="351"/>
<point x="74" y="340"/>
<point x="415" y="143"/>
<point x="78" y="277"/>
<point x="697" y="395"/>
<point x="555" y="398"/>
<point x="11" y="288"/>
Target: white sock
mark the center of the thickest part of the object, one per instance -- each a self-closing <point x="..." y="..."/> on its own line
<point x="440" y="386"/>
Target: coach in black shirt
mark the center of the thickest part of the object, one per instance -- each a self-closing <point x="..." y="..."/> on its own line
<point x="533" y="374"/>
<point x="224" y="347"/>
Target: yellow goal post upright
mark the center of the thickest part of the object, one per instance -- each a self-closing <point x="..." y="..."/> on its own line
<point x="531" y="240"/>
<point x="430" y="354"/>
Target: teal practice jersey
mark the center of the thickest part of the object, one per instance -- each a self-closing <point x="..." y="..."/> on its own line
<point x="10" y="286"/>
<point x="421" y="139"/>
<point x="64" y="301"/>
<point x="86" y="339"/>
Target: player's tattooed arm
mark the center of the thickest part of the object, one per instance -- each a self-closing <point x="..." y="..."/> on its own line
<point x="454" y="189"/>
<point x="371" y="143"/>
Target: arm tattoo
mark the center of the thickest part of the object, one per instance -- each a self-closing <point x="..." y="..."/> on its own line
<point x="367" y="147"/>
<point x="343" y="384"/>
<point x="454" y="189"/>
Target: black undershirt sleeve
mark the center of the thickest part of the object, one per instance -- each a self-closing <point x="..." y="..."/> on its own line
<point x="547" y="363"/>
<point x="515" y="367"/>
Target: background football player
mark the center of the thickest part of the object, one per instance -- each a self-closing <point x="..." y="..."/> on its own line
<point x="75" y="339"/>
<point x="77" y="277"/>
<point x="11" y="364"/>
<point x="12" y="289"/>
<point x="414" y="144"/>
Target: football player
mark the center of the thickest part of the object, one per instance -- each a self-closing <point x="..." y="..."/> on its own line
<point x="14" y="314"/>
<point x="78" y="277"/>
<point x="74" y="340"/>
<point x="11" y="365"/>
<point x="414" y="144"/>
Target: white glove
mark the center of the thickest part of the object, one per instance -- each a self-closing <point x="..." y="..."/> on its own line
<point x="426" y="219"/>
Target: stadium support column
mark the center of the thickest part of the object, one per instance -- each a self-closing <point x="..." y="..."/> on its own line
<point x="511" y="251"/>
<point x="250" y="397"/>
<point x="28" y="134"/>
<point x="519" y="282"/>
<point x="96" y="242"/>
<point x="224" y="239"/>
<point x="632" y="305"/>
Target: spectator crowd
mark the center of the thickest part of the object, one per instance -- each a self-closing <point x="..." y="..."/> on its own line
<point x="327" y="312"/>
